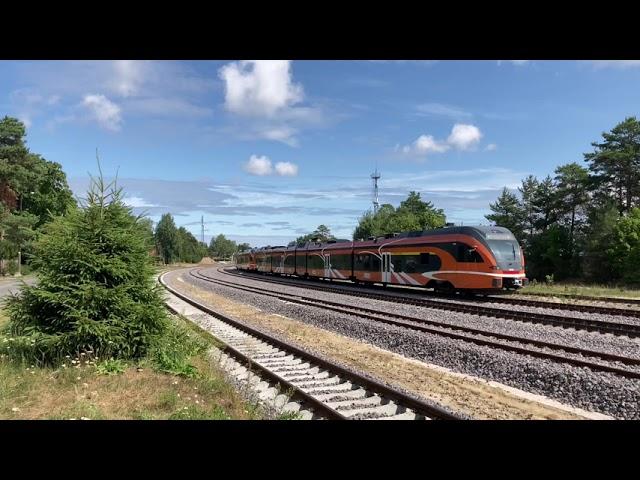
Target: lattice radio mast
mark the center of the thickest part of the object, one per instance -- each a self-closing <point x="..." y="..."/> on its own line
<point x="375" y="176"/>
<point x="202" y="227"/>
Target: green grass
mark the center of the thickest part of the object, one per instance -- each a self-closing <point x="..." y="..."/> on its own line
<point x="581" y="289"/>
<point x="176" y="381"/>
<point x="111" y="367"/>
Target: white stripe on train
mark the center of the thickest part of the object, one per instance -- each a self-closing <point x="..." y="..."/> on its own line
<point x="431" y="275"/>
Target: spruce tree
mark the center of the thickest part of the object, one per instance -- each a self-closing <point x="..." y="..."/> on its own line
<point x="95" y="289"/>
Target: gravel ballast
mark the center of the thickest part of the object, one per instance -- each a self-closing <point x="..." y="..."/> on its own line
<point x="619" y="345"/>
<point x="581" y="387"/>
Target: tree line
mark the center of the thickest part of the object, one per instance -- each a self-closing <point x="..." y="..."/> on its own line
<point x="33" y="190"/>
<point x="412" y="214"/>
<point x="175" y="244"/>
<point x="582" y="223"/>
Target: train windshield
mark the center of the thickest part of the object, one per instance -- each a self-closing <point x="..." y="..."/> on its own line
<point x="507" y="253"/>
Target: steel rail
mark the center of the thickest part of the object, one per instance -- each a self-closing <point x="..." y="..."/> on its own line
<point x="591" y="325"/>
<point x="404" y="399"/>
<point x="467" y="335"/>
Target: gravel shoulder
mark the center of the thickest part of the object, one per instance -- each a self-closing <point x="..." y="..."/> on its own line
<point x="471" y="395"/>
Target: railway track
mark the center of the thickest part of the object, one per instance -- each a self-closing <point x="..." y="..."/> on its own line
<point x="488" y="338"/>
<point x="514" y="299"/>
<point x="600" y="326"/>
<point x="327" y="389"/>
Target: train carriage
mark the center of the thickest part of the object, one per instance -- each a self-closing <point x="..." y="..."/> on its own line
<point x="453" y="258"/>
<point x="301" y="261"/>
<point x="289" y="261"/>
<point x="263" y="260"/>
<point x="315" y="261"/>
<point x="338" y="259"/>
<point x="277" y="259"/>
<point x="245" y="260"/>
<point x="475" y="259"/>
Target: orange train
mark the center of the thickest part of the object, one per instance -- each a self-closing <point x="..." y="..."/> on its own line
<point x="471" y="259"/>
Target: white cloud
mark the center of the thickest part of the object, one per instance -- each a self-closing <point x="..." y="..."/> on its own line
<point x="620" y="64"/>
<point x="259" y="87"/>
<point x="137" y="202"/>
<point x="440" y="109"/>
<point x="128" y="76"/>
<point x="262" y="166"/>
<point x="491" y="147"/>
<point x="165" y="107"/>
<point x="29" y="104"/>
<point x="427" y="144"/>
<point x="282" y="134"/>
<point x="266" y="101"/>
<point x="152" y="88"/>
<point x="287" y="169"/>
<point x="464" y="137"/>
<point x="258" y="165"/>
<point x="104" y="111"/>
<point x="26" y="119"/>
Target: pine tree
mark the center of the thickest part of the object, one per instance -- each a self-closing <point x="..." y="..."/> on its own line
<point x="572" y="182"/>
<point x="167" y="239"/>
<point x="509" y="213"/>
<point x="95" y="289"/>
<point x="615" y="164"/>
<point x="528" y="191"/>
<point x="412" y="214"/>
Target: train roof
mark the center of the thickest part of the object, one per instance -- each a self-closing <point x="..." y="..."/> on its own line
<point x="482" y="233"/>
<point x="486" y="233"/>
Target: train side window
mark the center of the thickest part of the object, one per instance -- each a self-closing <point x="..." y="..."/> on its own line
<point x="468" y="254"/>
<point x="429" y="262"/>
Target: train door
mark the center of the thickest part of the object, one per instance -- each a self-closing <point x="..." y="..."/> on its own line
<point x="327" y="266"/>
<point x="386" y="268"/>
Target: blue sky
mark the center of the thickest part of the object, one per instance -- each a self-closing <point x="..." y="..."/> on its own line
<point x="267" y="150"/>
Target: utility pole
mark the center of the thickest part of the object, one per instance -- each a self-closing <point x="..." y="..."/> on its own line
<point x="375" y="176"/>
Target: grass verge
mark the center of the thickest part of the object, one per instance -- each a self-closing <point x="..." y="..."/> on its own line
<point x="580" y="289"/>
<point x="175" y="381"/>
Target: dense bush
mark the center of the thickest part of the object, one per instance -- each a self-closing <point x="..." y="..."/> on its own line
<point x="95" y="289"/>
